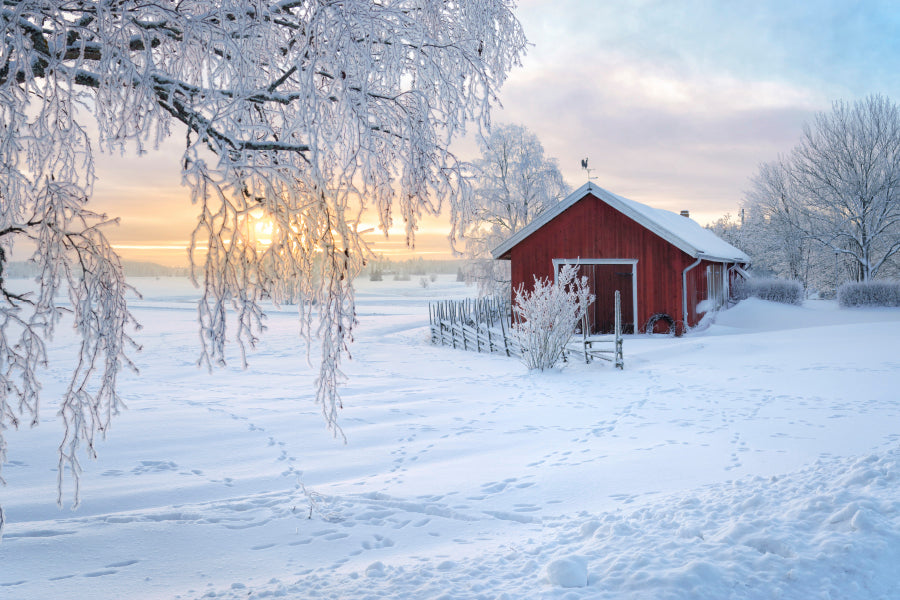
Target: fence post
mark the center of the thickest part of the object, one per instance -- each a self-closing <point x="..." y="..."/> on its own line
<point x="452" y="311"/>
<point x="477" y="319"/>
<point x="619" y="359"/>
<point x="504" y="328"/>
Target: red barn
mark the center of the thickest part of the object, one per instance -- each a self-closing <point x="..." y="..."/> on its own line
<point x="668" y="269"/>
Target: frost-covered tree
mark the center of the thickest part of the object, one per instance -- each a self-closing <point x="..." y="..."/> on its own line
<point x="829" y="211"/>
<point x="776" y="221"/>
<point x="775" y="231"/>
<point x="834" y="200"/>
<point x="297" y="113"/>
<point x="847" y="169"/>
<point x="512" y="182"/>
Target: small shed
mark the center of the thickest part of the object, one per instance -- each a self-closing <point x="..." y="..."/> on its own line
<point x="668" y="269"/>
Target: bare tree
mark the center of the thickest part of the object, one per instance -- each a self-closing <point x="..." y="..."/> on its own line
<point x="776" y="229"/>
<point x="299" y="113"/>
<point x="835" y="196"/>
<point x="512" y="183"/>
<point x="847" y="169"/>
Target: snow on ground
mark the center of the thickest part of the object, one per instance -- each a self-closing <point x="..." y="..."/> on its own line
<point x="759" y="458"/>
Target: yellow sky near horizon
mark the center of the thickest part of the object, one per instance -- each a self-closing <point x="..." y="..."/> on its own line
<point x="156" y="216"/>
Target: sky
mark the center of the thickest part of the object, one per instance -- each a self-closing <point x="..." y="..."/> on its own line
<point x="675" y="104"/>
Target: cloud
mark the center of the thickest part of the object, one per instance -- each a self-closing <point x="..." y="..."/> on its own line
<point x="655" y="136"/>
<point x="676" y="104"/>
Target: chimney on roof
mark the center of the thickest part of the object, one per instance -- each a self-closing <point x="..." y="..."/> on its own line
<point x="686" y="213"/>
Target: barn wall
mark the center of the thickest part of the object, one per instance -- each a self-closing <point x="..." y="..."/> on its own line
<point x="697" y="286"/>
<point x="696" y="292"/>
<point x="592" y="229"/>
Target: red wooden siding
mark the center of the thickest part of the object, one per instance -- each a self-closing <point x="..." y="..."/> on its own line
<point x="591" y="229"/>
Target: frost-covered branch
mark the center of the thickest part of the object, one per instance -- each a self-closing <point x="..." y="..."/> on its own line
<point x="299" y="113"/>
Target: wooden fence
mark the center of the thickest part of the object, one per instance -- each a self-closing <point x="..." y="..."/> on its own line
<point x="483" y="325"/>
<point x="479" y="324"/>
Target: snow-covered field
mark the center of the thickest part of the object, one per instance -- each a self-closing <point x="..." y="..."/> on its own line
<point x="759" y="458"/>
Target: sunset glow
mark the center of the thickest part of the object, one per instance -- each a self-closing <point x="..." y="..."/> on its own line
<point x="262" y="229"/>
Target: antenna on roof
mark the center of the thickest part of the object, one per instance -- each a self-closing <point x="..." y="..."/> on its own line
<point x="584" y="165"/>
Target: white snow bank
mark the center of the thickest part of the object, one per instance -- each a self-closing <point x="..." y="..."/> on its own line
<point x="832" y="530"/>
<point x="758" y="464"/>
<point x="755" y="315"/>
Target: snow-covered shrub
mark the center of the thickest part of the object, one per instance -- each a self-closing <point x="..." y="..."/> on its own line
<point x="872" y="293"/>
<point x="545" y="318"/>
<point x="775" y="290"/>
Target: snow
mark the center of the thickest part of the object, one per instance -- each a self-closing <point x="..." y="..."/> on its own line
<point x="758" y="458"/>
<point x="568" y="572"/>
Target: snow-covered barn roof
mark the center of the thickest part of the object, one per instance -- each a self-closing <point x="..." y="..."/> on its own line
<point x="682" y="232"/>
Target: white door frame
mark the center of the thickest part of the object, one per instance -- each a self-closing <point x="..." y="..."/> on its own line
<point x="558" y="262"/>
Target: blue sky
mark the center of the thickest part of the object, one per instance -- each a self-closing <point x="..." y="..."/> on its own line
<point x="677" y="103"/>
<point x="674" y="103"/>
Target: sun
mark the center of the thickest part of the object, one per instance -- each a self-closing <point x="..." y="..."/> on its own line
<point x="262" y="229"/>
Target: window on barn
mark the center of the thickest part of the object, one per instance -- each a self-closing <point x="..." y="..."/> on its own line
<point x="715" y="285"/>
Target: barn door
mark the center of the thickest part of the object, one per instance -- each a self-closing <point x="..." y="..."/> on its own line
<point x="604" y="279"/>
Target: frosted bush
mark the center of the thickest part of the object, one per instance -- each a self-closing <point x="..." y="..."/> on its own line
<point x="774" y="290"/>
<point x="872" y="293"/>
<point x="545" y="318"/>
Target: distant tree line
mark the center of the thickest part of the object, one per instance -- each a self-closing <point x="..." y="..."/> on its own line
<point x="828" y="212"/>
<point x="382" y="268"/>
<point x="132" y="268"/>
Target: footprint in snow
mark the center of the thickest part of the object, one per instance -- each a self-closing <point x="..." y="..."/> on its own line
<point x="262" y="546"/>
<point x="101" y="573"/>
<point x="124" y="563"/>
<point x="154" y="466"/>
<point x="379" y="542"/>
